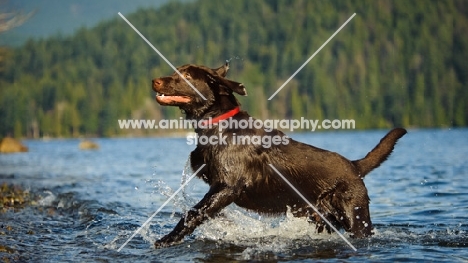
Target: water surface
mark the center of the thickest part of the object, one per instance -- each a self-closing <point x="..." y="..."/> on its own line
<point x="91" y="202"/>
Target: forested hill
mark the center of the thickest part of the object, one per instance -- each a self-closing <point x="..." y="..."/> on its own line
<point x="397" y="63"/>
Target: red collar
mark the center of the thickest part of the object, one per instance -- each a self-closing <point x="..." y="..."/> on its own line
<point x="221" y="117"/>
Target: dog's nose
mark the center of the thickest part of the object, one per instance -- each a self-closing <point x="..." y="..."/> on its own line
<point x="157" y="83"/>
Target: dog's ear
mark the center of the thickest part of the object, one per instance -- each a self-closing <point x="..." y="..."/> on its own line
<point x="231" y="86"/>
<point x="226" y="86"/>
<point x="222" y="71"/>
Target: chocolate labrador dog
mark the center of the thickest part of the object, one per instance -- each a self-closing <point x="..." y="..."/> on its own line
<point x="247" y="172"/>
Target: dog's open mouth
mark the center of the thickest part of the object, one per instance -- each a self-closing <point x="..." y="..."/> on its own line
<point x="170" y="99"/>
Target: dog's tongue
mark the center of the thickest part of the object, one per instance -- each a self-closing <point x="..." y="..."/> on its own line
<point x="172" y="99"/>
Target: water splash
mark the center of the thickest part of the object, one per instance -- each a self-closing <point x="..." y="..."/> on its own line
<point x="258" y="233"/>
<point x="48" y="199"/>
<point x="186" y="173"/>
<point x="235" y="57"/>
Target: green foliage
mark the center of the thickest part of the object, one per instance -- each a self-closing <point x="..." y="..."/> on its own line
<point x="397" y="63"/>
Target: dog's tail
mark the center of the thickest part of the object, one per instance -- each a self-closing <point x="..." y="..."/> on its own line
<point x="380" y="153"/>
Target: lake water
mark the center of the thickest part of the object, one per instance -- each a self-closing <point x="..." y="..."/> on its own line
<point x="93" y="201"/>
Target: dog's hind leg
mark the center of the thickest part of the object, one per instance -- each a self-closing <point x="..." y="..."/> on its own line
<point x="213" y="202"/>
<point x="361" y="225"/>
<point x="345" y="208"/>
<point x="352" y="211"/>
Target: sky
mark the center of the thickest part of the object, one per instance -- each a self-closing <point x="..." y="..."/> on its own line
<point x="64" y="16"/>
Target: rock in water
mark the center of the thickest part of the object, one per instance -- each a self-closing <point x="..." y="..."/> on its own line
<point x="88" y="145"/>
<point x="10" y="145"/>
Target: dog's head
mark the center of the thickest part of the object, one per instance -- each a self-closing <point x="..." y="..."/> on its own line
<point x="211" y="83"/>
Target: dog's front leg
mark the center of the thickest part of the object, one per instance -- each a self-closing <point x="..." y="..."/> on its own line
<point x="216" y="199"/>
